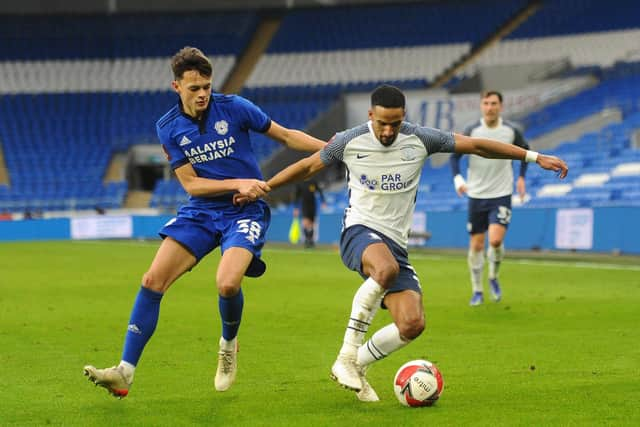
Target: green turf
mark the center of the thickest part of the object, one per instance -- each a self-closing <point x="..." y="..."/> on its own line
<point x="562" y="348"/>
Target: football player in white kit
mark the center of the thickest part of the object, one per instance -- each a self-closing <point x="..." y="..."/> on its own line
<point x="384" y="158"/>
<point x="489" y="186"/>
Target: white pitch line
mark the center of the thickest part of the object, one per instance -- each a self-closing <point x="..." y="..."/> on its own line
<point x="547" y="263"/>
<point x="577" y="264"/>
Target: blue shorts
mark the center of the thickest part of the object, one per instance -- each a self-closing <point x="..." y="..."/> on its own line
<point x="354" y="241"/>
<point x="201" y="230"/>
<point x="483" y="212"/>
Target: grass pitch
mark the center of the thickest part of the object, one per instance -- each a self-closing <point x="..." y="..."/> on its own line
<point x="562" y="348"/>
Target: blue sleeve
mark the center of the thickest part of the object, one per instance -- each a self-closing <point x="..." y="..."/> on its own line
<point x="519" y="140"/>
<point x="172" y="150"/>
<point x="252" y="116"/>
<point x="454" y="161"/>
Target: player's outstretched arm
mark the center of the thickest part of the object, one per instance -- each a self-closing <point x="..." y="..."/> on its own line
<point x="297" y="171"/>
<point x="294" y="139"/>
<point x="498" y="150"/>
<point x="194" y="185"/>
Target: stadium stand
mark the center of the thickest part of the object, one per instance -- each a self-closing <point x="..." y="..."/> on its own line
<point x="586" y="32"/>
<point x="82" y="37"/>
<point x="95" y="84"/>
<point x="339" y="45"/>
<point x="98" y="83"/>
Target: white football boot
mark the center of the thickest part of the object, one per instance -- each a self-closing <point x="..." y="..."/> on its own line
<point x="345" y="372"/>
<point x="113" y="379"/>
<point x="227" y="364"/>
<point x="367" y="393"/>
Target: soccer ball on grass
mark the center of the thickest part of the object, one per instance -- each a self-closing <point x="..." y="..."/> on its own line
<point x="418" y="383"/>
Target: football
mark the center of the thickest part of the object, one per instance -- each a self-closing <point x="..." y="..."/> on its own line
<point x="418" y="383"/>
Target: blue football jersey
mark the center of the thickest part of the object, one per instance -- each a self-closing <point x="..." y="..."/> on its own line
<point x="217" y="146"/>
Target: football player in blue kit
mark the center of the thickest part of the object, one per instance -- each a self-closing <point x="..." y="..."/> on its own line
<point x="206" y="140"/>
<point x="384" y="159"/>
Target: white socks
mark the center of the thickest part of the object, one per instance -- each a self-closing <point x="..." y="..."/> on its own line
<point x="476" y="266"/>
<point x="365" y="304"/>
<point x="494" y="256"/>
<point x="128" y="370"/>
<point x="228" y="345"/>
<point x="381" y="344"/>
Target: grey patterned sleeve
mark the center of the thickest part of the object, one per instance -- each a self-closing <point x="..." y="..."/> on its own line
<point x="333" y="152"/>
<point x="435" y="140"/>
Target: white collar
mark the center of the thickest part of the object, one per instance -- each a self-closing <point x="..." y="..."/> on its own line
<point x="495" y="127"/>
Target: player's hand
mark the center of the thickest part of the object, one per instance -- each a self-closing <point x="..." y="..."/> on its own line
<point x="521" y="188"/>
<point x="296" y="212"/>
<point x="240" y="200"/>
<point x="553" y="163"/>
<point x="253" y="189"/>
<point x="460" y="185"/>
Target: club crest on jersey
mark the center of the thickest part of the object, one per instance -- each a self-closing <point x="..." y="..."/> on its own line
<point x="407" y="154"/>
<point x="222" y="127"/>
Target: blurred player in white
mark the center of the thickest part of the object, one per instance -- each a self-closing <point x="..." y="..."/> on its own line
<point x="384" y="158"/>
<point x="489" y="186"/>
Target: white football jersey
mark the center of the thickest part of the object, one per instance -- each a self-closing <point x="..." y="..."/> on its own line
<point x="491" y="178"/>
<point x="383" y="181"/>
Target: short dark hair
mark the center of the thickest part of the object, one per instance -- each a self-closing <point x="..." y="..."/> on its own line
<point x="387" y="96"/>
<point x="488" y="93"/>
<point x="190" y="58"/>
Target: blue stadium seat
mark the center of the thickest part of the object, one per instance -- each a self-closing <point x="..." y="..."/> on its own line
<point x="37" y="37"/>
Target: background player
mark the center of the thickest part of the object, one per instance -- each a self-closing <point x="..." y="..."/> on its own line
<point x="489" y="186"/>
<point x="206" y="139"/>
<point x="307" y="194"/>
<point x="384" y="158"/>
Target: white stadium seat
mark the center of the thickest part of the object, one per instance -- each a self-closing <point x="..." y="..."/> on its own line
<point x="627" y="169"/>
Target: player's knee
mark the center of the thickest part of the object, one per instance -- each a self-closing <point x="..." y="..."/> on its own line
<point x="495" y="242"/>
<point x="386" y="274"/>
<point x="227" y="288"/>
<point x="412" y="327"/>
<point x="152" y="281"/>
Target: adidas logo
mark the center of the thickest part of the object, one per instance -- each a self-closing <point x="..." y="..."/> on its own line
<point x="231" y="323"/>
<point x="134" y="328"/>
<point x="184" y="141"/>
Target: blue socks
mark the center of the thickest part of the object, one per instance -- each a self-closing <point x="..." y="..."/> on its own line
<point x="145" y="313"/>
<point x="142" y="324"/>
<point x="230" y="314"/>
